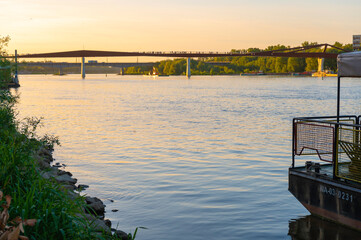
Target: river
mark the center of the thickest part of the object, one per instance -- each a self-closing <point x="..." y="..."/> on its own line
<point x="205" y="158"/>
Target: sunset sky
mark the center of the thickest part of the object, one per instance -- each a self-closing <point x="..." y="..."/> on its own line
<point x="167" y="25"/>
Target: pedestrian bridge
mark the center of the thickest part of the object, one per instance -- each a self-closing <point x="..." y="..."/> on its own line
<point x="289" y="52"/>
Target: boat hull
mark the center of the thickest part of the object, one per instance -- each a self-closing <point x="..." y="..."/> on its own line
<point x="339" y="202"/>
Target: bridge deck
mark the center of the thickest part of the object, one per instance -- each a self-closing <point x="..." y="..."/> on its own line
<point x="290" y="52"/>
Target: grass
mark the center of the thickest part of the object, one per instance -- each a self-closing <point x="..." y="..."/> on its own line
<point x="33" y="197"/>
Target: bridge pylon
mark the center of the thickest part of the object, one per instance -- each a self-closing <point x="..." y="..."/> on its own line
<point x="188" y="71"/>
<point x="16" y="79"/>
<point x="321" y="64"/>
<point x="82" y="68"/>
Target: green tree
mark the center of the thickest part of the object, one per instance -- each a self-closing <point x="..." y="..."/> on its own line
<point x="271" y="64"/>
<point x="306" y="44"/>
<point x="166" y="68"/>
<point x="296" y="64"/>
<point x="281" y="65"/>
<point x="251" y="50"/>
<point x="5" y="66"/>
<point x="262" y="64"/>
<point x="4" y="41"/>
<point x="311" y="64"/>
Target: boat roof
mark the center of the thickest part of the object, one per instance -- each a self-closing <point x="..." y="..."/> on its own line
<point x="349" y="64"/>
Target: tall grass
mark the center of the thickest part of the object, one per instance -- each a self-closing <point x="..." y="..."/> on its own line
<point x="33" y="197"/>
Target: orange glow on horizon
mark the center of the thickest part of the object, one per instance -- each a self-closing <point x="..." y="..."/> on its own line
<point x="51" y="26"/>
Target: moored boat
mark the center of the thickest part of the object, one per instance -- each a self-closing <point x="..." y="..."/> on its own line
<point x="154" y="73"/>
<point x="260" y="73"/>
<point x="326" y="73"/>
<point x="325" y="175"/>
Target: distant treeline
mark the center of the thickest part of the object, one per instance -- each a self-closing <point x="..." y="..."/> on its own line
<point x="247" y="64"/>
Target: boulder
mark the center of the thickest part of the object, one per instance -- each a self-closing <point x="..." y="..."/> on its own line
<point x="99" y="226"/>
<point x="62" y="172"/>
<point x="73" y="195"/>
<point x="95" y="205"/>
<point x="46" y="175"/>
<point x="45" y="154"/>
<point x="108" y="223"/>
<point x="121" y="235"/>
<point x="69" y="187"/>
<point x="66" y="179"/>
<point x="43" y="164"/>
<point x="82" y="187"/>
<point x="53" y="171"/>
<point x="90" y="200"/>
<point x="96" y="224"/>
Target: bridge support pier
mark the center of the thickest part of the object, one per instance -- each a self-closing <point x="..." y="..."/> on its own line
<point x="16" y="79"/>
<point x="121" y="71"/>
<point x="82" y="69"/>
<point x="188" y="71"/>
<point x="321" y="64"/>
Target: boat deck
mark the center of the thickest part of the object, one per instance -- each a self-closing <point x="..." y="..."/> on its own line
<point x="325" y="169"/>
<point x="326" y="172"/>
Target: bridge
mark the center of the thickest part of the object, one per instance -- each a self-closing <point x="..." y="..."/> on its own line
<point x="289" y="52"/>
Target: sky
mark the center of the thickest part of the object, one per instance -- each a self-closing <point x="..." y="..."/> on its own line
<point x="37" y="26"/>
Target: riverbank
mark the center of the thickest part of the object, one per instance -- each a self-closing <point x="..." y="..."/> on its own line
<point x="41" y="191"/>
<point x="93" y="209"/>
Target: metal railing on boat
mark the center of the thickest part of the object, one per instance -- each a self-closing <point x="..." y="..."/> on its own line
<point x="324" y="139"/>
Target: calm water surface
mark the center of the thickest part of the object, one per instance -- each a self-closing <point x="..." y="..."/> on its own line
<point x="204" y="158"/>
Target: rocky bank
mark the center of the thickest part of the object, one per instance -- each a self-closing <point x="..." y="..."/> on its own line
<point x="94" y="209"/>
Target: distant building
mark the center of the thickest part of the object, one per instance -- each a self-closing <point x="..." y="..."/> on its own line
<point x="356" y="41"/>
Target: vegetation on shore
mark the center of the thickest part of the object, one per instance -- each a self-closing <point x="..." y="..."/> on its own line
<point x="5" y="67"/>
<point x="58" y="216"/>
<point x="237" y="65"/>
<point x="33" y="196"/>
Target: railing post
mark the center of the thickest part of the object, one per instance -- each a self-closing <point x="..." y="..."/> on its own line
<point x="335" y="142"/>
<point x="357" y="128"/>
<point x="293" y="142"/>
<point x="338" y="97"/>
<point x="335" y="152"/>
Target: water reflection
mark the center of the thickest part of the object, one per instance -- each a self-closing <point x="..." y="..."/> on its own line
<point x="311" y="227"/>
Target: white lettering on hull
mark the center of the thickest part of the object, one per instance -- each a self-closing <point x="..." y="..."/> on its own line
<point x="336" y="193"/>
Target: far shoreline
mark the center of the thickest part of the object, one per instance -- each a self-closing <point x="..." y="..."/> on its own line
<point x="208" y="75"/>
